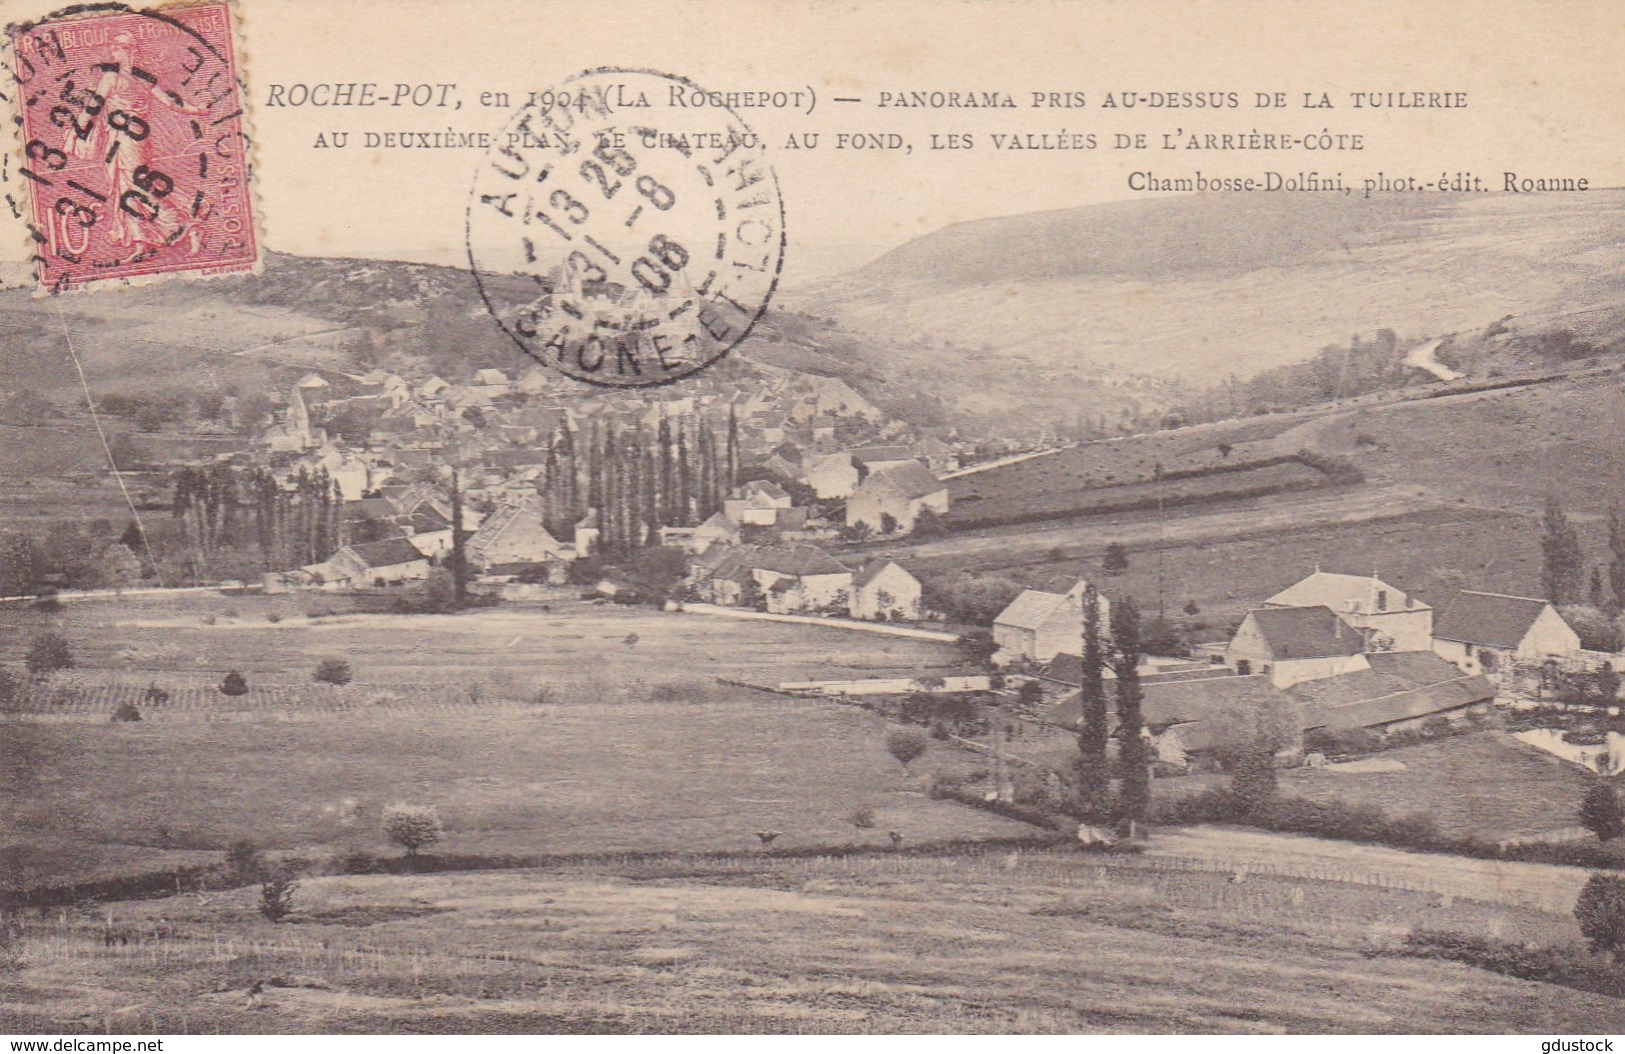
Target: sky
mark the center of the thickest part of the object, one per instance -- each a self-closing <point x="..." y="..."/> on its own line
<point x="1543" y="86"/>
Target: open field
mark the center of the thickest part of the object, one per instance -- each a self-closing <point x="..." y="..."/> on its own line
<point x="531" y="731"/>
<point x="1453" y="496"/>
<point x="1483" y="783"/>
<point x="1057" y="486"/>
<point x="147" y="638"/>
<point x="1002" y="942"/>
<point x="1228" y="558"/>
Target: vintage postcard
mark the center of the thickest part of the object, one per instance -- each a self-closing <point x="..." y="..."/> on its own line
<point x="1005" y="516"/>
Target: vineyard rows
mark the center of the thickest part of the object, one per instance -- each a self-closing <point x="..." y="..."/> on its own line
<point x="72" y="701"/>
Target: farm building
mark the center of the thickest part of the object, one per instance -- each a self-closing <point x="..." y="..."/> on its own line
<point x="800" y="578"/>
<point x="832" y="475"/>
<point x="513" y="537"/>
<point x="1037" y="626"/>
<point x="898" y="491"/>
<point x="1391" y="619"/>
<point x="385" y="563"/>
<point x="1295" y="644"/>
<point x="723" y="575"/>
<point x="1198" y="716"/>
<point x="1482" y="632"/>
<point x="1399" y="691"/>
<point x="757" y="503"/>
<point x="883" y="587"/>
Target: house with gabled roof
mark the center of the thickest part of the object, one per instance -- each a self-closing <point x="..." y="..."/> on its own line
<point x="1399" y="691"/>
<point x="514" y="537"/>
<point x="587" y="532"/>
<point x="884" y="589"/>
<point x="725" y="576"/>
<point x="831" y="475"/>
<point x="1195" y="716"/>
<point x="801" y="578"/>
<point x="1483" y="632"/>
<point x="1295" y="644"/>
<point x="896" y="492"/>
<point x="757" y="503"/>
<point x="1391" y="619"/>
<point x="1037" y="626"/>
<point x="371" y="564"/>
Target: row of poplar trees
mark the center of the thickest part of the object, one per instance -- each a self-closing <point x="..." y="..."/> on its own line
<point x="222" y="507"/>
<point x="1098" y="805"/>
<point x="638" y="483"/>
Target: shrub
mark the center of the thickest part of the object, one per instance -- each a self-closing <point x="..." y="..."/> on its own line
<point x="333" y="671"/>
<point x="1595" y="629"/>
<point x="680" y="691"/>
<point x="412" y="827"/>
<point x="1601" y="913"/>
<point x="1351" y="742"/>
<point x="276" y="895"/>
<point x="243" y="860"/>
<point x="234" y="684"/>
<point x="1116" y="558"/>
<point x="358" y="861"/>
<point x="48" y="654"/>
<point x="1516" y="959"/>
<point x="126" y="711"/>
<point x="1600" y="811"/>
<point x="862" y="817"/>
<point x="969" y="598"/>
<point x="1252" y="776"/>
<point x="906" y="744"/>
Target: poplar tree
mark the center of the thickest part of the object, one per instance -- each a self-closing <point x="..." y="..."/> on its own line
<point x="459" y="542"/>
<point x="668" y="476"/>
<point x="731" y="480"/>
<point x="1562" y="563"/>
<point x="685" y="479"/>
<point x="651" y="500"/>
<point x="1616" y="562"/>
<point x="1093" y="729"/>
<point x="1134" y="795"/>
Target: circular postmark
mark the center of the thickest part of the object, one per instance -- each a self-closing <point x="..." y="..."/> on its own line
<point x="620" y="239"/>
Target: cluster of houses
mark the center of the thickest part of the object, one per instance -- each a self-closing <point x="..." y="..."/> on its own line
<point x="1337" y="652"/>
<point x="384" y="440"/>
<point x="805" y="579"/>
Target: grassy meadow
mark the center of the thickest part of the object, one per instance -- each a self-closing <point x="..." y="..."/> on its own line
<point x="600" y="737"/>
<point x="1028" y="942"/>
<point x="591" y="729"/>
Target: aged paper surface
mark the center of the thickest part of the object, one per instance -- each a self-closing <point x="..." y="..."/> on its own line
<point x="809" y="517"/>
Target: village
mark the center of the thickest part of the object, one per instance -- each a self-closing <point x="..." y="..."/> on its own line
<point x="1354" y="658"/>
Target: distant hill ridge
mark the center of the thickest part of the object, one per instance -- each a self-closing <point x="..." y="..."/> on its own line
<point x="1199" y="286"/>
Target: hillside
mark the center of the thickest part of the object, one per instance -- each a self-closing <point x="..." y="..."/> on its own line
<point x="1449" y="494"/>
<point x="1018" y="942"/>
<point x="1201" y="287"/>
<point x="302" y="313"/>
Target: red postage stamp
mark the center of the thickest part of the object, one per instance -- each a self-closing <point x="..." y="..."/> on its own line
<point x="133" y="146"/>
